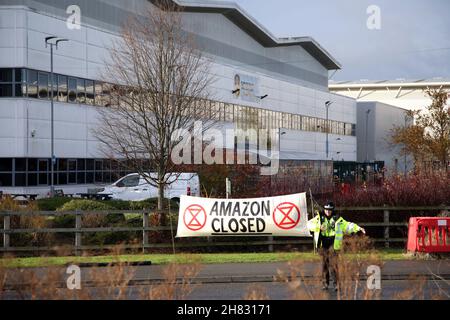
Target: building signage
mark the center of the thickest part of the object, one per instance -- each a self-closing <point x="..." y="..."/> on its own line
<point x="246" y="87"/>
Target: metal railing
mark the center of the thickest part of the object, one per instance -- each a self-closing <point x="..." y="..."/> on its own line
<point x="145" y="229"/>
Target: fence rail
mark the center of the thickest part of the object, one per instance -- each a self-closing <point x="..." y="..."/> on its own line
<point x="79" y="230"/>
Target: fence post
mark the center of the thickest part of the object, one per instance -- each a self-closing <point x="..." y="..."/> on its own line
<point x="386" y="228"/>
<point x="271" y="244"/>
<point x="6" y="227"/>
<point x="144" y="231"/>
<point x="78" y="233"/>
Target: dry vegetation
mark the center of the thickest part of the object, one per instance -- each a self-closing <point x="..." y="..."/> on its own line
<point x="177" y="283"/>
<point x="301" y="285"/>
<point x="256" y="292"/>
<point x="113" y="282"/>
<point x="352" y="267"/>
<point x="31" y="222"/>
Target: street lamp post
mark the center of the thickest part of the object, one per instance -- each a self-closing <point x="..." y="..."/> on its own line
<point x="406" y="167"/>
<point x="327" y="126"/>
<point x="52" y="42"/>
<point x="367" y="135"/>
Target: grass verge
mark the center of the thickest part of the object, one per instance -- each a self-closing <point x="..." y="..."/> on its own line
<point x="162" y="259"/>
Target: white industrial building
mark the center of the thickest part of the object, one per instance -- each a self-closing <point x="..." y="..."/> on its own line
<point x="376" y="121"/>
<point x="402" y="93"/>
<point x="383" y="105"/>
<point x="292" y="72"/>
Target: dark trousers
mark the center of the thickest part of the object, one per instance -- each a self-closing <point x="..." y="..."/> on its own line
<point x="329" y="263"/>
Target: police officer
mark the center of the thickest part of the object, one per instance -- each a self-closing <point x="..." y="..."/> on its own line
<point x="329" y="229"/>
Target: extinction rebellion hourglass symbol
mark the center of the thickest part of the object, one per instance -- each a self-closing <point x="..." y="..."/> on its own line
<point x="194" y="217"/>
<point x="286" y="216"/>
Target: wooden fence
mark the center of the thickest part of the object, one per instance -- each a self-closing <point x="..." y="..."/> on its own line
<point x="145" y="229"/>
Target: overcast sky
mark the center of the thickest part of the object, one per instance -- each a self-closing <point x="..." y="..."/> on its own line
<point x="413" y="42"/>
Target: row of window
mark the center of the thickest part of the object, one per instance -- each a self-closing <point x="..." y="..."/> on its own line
<point x="255" y="118"/>
<point x="20" y="179"/>
<point x="22" y="172"/>
<point x="37" y="84"/>
<point x="43" y="165"/>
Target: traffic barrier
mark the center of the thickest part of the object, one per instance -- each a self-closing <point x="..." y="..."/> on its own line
<point x="429" y="235"/>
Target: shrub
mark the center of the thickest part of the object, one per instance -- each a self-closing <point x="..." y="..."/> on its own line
<point x="149" y="204"/>
<point x="418" y="189"/>
<point x="65" y="221"/>
<point x="85" y="205"/>
<point x="91" y="219"/>
<point x="119" y="204"/>
<point x="51" y="204"/>
<point x="152" y="204"/>
<point x="9" y="204"/>
<point x="110" y="238"/>
<point x="26" y="222"/>
<point x="431" y="189"/>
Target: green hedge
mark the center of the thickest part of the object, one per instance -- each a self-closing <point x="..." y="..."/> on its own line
<point x="150" y="204"/>
<point x="51" y="204"/>
<point x="70" y="204"/>
<point x="91" y="220"/>
<point x="85" y="205"/>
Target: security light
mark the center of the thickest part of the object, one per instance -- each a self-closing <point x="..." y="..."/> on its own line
<point x="60" y="40"/>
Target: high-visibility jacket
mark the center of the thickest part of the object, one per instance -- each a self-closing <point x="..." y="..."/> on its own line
<point x="336" y="227"/>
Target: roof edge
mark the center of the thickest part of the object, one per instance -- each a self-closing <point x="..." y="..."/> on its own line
<point x="251" y="26"/>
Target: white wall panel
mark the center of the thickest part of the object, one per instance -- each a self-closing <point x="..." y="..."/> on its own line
<point x="85" y="55"/>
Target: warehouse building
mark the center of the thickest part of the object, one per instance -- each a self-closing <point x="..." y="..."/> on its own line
<point x="402" y="93"/>
<point x="374" y="135"/>
<point x="381" y="106"/>
<point x="291" y="73"/>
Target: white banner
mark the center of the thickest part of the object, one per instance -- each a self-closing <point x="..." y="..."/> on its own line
<point x="284" y="216"/>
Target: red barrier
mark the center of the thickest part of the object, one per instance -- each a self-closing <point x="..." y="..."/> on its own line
<point x="429" y="235"/>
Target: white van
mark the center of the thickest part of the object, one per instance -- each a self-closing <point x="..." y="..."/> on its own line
<point x="134" y="187"/>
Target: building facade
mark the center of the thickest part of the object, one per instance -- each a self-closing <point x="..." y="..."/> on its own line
<point x="292" y="74"/>
<point x="376" y="121"/>
<point x="388" y="102"/>
<point x="401" y="93"/>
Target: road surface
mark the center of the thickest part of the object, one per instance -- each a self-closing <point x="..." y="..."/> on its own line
<point x="235" y="281"/>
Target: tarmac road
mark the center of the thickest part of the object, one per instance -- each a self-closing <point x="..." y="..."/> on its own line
<point x="390" y="290"/>
<point x="232" y="281"/>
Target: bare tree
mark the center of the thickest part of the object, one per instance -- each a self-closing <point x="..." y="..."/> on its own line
<point x="161" y="85"/>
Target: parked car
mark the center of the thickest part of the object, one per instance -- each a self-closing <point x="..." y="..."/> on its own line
<point x="135" y="187"/>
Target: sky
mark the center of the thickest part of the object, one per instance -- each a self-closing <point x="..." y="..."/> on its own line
<point x="413" y="41"/>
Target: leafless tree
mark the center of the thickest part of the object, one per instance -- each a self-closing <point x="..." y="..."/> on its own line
<point x="162" y="83"/>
